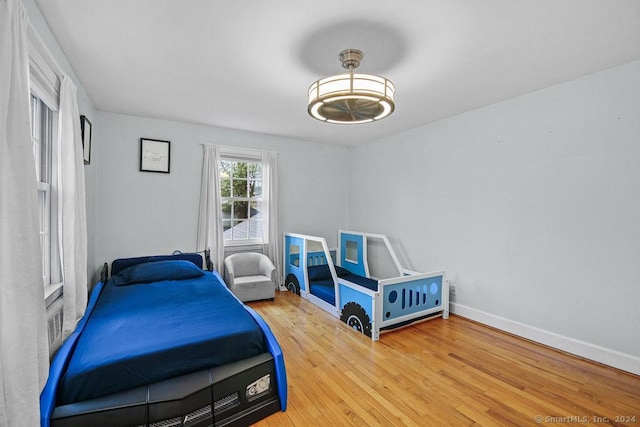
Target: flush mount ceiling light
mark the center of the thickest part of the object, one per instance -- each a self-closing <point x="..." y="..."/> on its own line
<point x="351" y="98"/>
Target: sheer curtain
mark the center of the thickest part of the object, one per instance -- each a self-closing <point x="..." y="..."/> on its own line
<point x="72" y="223"/>
<point x="24" y="352"/>
<point x="270" y="213"/>
<point x="210" y="214"/>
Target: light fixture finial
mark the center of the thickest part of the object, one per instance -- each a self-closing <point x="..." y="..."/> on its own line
<point x="350" y="58"/>
<point x="351" y="98"/>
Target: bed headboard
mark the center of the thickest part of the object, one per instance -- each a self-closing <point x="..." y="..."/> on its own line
<point x="121" y="263"/>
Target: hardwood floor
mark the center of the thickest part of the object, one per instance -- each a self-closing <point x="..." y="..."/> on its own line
<point x="439" y="372"/>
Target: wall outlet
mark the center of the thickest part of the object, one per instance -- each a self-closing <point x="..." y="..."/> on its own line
<point x="452" y="289"/>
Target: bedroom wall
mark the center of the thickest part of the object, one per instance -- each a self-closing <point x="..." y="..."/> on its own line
<point x="141" y="213"/>
<point x="530" y="205"/>
<point x="86" y="107"/>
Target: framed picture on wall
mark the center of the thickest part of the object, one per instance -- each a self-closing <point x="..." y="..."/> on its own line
<point x="155" y="155"/>
<point x="85" y="129"/>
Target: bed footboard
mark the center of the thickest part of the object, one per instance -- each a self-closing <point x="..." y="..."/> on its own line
<point x="242" y="393"/>
<point x="397" y="302"/>
<point x="278" y="357"/>
<point x="407" y="299"/>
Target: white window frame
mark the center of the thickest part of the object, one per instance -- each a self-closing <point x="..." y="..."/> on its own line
<point x="245" y="156"/>
<point x="43" y="125"/>
<point x="44" y="84"/>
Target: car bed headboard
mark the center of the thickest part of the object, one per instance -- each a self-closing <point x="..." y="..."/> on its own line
<point x="121" y="263"/>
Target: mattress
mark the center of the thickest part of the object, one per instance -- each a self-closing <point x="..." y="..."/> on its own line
<point x="142" y="333"/>
<point x="362" y="281"/>
<point x="323" y="286"/>
<point x="324" y="289"/>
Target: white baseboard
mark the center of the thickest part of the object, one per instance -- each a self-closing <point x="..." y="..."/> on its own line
<point x="625" y="362"/>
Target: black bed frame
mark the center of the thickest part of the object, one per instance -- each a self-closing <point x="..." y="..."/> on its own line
<point x="236" y="394"/>
<point x="183" y="401"/>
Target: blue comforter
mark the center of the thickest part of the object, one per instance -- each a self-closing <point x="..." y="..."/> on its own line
<point x="147" y="332"/>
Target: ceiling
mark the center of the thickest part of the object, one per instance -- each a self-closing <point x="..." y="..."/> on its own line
<point x="248" y="64"/>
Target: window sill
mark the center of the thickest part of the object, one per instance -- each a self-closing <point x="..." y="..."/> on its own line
<point x="244" y="247"/>
<point x="242" y="243"/>
<point x="52" y="292"/>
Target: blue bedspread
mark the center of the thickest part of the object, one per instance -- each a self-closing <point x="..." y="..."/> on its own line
<point x="324" y="289"/>
<point x="147" y="332"/>
<point x="362" y="281"/>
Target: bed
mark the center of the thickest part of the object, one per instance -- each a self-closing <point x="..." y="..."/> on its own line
<point x="340" y="282"/>
<point x="164" y="343"/>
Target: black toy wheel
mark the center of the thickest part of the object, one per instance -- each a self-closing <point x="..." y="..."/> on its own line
<point x="355" y="317"/>
<point x="291" y="282"/>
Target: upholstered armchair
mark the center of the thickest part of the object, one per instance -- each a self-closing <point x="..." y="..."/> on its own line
<point x="250" y="276"/>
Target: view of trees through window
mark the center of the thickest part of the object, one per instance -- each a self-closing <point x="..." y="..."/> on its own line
<point x="241" y="192"/>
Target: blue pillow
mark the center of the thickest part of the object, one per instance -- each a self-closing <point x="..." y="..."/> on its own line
<point x="157" y="271"/>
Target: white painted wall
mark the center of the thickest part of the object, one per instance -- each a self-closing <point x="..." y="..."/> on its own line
<point x="142" y="213"/>
<point x="532" y="206"/>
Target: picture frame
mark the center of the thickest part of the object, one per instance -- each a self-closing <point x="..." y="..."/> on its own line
<point x="155" y="155"/>
<point x="85" y="130"/>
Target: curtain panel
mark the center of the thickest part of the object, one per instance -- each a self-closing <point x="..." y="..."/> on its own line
<point x="72" y="218"/>
<point x="24" y="352"/>
<point x="271" y="230"/>
<point x="210" y="214"/>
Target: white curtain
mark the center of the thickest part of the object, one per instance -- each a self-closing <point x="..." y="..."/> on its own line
<point x="270" y="228"/>
<point x="24" y="352"/>
<point x="72" y="217"/>
<point x="210" y="216"/>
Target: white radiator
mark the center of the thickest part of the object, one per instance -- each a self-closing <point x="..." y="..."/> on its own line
<point x="54" y="326"/>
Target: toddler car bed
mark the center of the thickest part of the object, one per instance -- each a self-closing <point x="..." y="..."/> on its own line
<point x="164" y="343"/>
<point x="347" y="290"/>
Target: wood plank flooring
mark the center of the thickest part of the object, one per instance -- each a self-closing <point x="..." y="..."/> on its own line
<point x="439" y="372"/>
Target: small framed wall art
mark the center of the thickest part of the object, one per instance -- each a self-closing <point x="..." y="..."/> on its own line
<point x="85" y="129"/>
<point x="155" y="155"/>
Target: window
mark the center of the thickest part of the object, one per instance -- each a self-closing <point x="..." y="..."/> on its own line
<point x="43" y="132"/>
<point x="241" y="197"/>
<point x="44" y="104"/>
<point x="42" y="140"/>
<point x="352" y="252"/>
<point x="294" y="255"/>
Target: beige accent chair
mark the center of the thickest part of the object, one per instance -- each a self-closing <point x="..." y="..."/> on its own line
<point x="250" y="276"/>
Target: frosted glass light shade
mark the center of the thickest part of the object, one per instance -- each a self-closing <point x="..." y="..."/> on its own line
<point x="351" y="98"/>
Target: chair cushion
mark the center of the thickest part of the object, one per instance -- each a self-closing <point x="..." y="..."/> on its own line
<point x="252" y="280"/>
<point x="251" y="288"/>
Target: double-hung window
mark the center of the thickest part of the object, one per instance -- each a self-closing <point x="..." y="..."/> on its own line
<point x="44" y="105"/>
<point x="42" y="127"/>
<point x="241" y="199"/>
